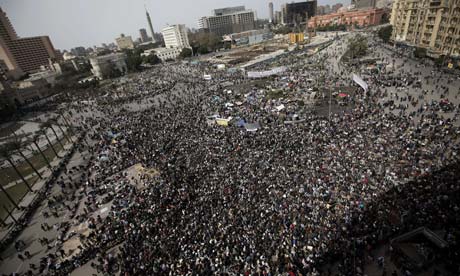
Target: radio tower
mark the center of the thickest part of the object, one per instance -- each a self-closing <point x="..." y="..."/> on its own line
<point x="150" y="24"/>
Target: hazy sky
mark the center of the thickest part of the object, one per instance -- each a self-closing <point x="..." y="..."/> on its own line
<point x="71" y="23"/>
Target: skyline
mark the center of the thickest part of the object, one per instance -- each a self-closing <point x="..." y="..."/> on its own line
<point x="88" y="23"/>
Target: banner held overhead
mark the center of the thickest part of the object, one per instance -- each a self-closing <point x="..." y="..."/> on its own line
<point x="360" y="82"/>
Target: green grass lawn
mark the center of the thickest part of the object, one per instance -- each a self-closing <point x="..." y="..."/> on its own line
<point x="6" y="131"/>
<point x="17" y="192"/>
<point x="9" y="175"/>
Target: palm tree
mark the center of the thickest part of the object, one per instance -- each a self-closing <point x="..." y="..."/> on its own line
<point x="6" y="151"/>
<point x="43" y="132"/>
<point x="68" y="125"/>
<point x="35" y="139"/>
<point x="55" y="121"/>
<point x="17" y="146"/>
<point x="49" y="124"/>
<point x="9" y="197"/>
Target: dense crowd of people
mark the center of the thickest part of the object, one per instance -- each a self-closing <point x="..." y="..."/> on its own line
<point x="287" y="199"/>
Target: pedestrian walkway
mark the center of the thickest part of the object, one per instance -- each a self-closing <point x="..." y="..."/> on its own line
<point x="35" y="231"/>
<point x="29" y="197"/>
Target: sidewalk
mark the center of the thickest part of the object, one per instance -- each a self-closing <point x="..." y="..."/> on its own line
<point x="29" y="197"/>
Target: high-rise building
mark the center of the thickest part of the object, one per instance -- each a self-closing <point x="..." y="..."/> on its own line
<point x="336" y="7"/>
<point x="271" y="12"/>
<point x="320" y="10"/>
<point x="124" y="42"/>
<point x="430" y="24"/>
<point x="278" y="17"/>
<point x="229" y="20"/>
<point x="296" y="13"/>
<point x="143" y="35"/>
<point x="78" y="51"/>
<point x="228" y="10"/>
<point x="149" y="21"/>
<point x="203" y="23"/>
<point x="23" y="55"/>
<point x="363" y="4"/>
<point x="175" y="36"/>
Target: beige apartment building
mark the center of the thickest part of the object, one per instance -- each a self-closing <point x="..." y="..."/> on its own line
<point x="431" y="24"/>
<point x="124" y="42"/>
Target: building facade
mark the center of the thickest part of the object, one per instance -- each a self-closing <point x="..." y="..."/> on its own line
<point x="102" y="66"/>
<point x="249" y="37"/>
<point x="23" y="55"/>
<point x="271" y="12"/>
<point x="434" y="25"/>
<point x="143" y="35"/>
<point x="175" y="36"/>
<point x="297" y="13"/>
<point x="124" y="42"/>
<point x="164" y="54"/>
<point x="357" y="17"/>
<point x="229" y="20"/>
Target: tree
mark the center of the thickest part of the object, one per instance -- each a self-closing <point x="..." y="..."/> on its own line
<point x="385" y="33"/>
<point x="6" y="151"/>
<point x="152" y="59"/>
<point x="17" y="147"/>
<point x="420" y="52"/>
<point x="202" y="50"/>
<point x="186" y="52"/>
<point x="283" y="30"/>
<point x="35" y="140"/>
<point x="9" y="197"/>
<point x="66" y="123"/>
<point x="357" y="46"/>
<point x="49" y="125"/>
<point x="133" y="60"/>
<point x="204" y="43"/>
<point x="55" y="121"/>
<point x="43" y="132"/>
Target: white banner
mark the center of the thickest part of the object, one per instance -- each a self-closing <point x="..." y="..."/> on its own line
<point x="360" y="82"/>
<point x="264" y="74"/>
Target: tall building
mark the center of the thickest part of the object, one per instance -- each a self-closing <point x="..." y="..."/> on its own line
<point x="124" y="42"/>
<point x="364" y="4"/>
<point x="175" y="36"/>
<point x="23" y="55"/>
<point x="296" y="13"/>
<point x="228" y="21"/>
<point x="143" y="35"/>
<point x="78" y="51"/>
<point x="278" y="17"/>
<point x="149" y="21"/>
<point x="271" y="12"/>
<point x="229" y="10"/>
<point x="430" y="24"/>
<point x="336" y="7"/>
